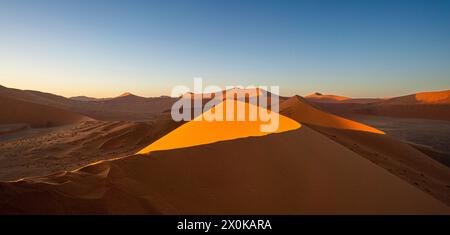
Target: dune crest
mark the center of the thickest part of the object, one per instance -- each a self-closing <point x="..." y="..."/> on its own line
<point x="200" y="131"/>
<point x="318" y="97"/>
<point x="294" y="172"/>
<point x="298" y="109"/>
<point x="35" y="115"/>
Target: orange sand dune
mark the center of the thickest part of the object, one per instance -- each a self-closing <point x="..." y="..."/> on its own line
<point x="318" y="97"/>
<point x="335" y="99"/>
<point x="329" y="166"/>
<point x="36" y="115"/>
<point x="298" y="109"/>
<point x="200" y="131"/>
<point x="434" y="97"/>
<point x="69" y="148"/>
<point x="395" y="156"/>
<point x="228" y="94"/>
<point x="425" y="105"/>
<point x="122" y="108"/>
<point x="234" y="93"/>
<point x="294" y="172"/>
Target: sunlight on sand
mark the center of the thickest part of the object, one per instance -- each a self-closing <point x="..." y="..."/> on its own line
<point x="200" y="132"/>
<point x="299" y="110"/>
<point x="433" y="97"/>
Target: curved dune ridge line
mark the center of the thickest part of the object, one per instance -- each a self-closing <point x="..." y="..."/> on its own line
<point x="200" y="131"/>
<point x="294" y="172"/>
<point x="298" y="109"/>
<point x="326" y="98"/>
<point x="300" y="171"/>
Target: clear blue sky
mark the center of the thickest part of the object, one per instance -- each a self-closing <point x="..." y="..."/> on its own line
<point x="103" y="48"/>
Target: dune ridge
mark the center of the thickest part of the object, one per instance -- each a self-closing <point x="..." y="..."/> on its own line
<point x="201" y="131"/>
<point x="432" y="97"/>
<point x="295" y="177"/>
<point x="122" y="108"/>
<point x="331" y="165"/>
<point x="433" y="105"/>
<point x="72" y="147"/>
<point x="36" y="115"/>
<point x="395" y="156"/>
<point x="318" y="97"/>
<point x="300" y="110"/>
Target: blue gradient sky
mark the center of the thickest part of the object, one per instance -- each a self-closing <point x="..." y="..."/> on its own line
<point x="103" y="48"/>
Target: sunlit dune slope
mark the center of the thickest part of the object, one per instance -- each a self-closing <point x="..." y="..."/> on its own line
<point x="395" y="156"/>
<point x="35" y="115"/>
<point x="425" y="105"/>
<point x="201" y="131"/>
<point x="433" y="97"/>
<point x="298" y="109"/>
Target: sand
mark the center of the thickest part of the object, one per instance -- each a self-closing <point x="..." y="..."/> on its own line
<point x="122" y="108"/>
<point x="300" y="110"/>
<point x="395" y="156"/>
<point x="326" y="165"/>
<point x="423" y="105"/>
<point x="306" y="173"/>
<point x="71" y="147"/>
<point x="318" y="97"/>
<point x="200" y="131"/>
<point x="36" y="115"/>
<point x="433" y="97"/>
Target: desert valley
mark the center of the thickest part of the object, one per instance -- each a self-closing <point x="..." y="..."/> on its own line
<point x="125" y="155"/>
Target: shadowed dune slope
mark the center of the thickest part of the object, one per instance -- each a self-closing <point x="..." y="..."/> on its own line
<point x="300" y="110"/>
<point x="36" y="115"/>
<point x="123" y="108"/>
<point x="201" y="131"/>
<point x="294" y="172"/>
<point x="395" y="156"/>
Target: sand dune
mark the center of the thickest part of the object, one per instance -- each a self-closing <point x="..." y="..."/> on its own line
<point x="317" y="163"/>
<point x="424" y="105"/>
<point x="200" y="131"/>
<point x="336" y="99"/>
<point x="318" y="97"/>
<point x="35" y="115"/>
<point x="295" y="172"/>
<point x="399" y="158"/>
<point x="87" y="98"/>
<point x="69" y="148"/>
<point x="300" y="110"/>
<point x="122" y="108"/>
<point x="434" y="97"/>
<point x="419" y="111"/>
